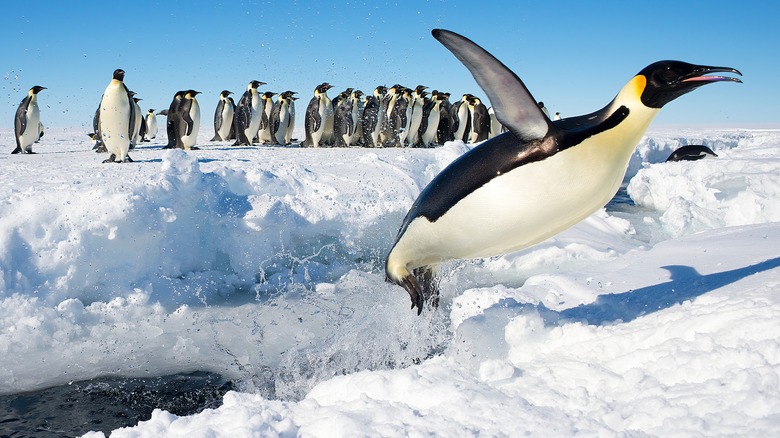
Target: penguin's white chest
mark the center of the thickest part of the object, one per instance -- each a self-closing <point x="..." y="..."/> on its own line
<point x="227" y="120"/>
<point x="520" y="208"/>
<point x="190" y="140"/>
<point x="32" y="130"/>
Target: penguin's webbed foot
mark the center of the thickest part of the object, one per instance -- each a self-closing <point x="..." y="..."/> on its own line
<point x="110" y="159"/>
<point x="18" y="150"/>
<point x="410" y="284"/>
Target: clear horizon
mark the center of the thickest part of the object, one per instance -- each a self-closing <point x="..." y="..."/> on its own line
<point x="572" y="56"/>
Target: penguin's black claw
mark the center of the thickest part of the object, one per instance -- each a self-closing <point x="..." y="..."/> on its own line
<point x="16" y="151"/>
<point x="410" y="284"/>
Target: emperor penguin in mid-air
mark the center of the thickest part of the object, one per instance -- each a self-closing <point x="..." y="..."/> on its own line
<point x="189" y="120"/>
<point x="27" y="122"/>
<point x="538" y="179"/>
<point x="223" y="116"/>
<point x="151" y="125"/>
<point x="319" y="114"/>
<point x="247" y="115"/>
<point x="117" y="119"/>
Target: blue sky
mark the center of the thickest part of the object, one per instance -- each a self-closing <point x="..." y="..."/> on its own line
<point x="574" y="56"/>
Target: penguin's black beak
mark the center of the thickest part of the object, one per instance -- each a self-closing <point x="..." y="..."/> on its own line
<point x="700" y="75"/>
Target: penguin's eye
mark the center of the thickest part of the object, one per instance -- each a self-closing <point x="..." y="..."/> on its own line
<point x="668" y="76"/>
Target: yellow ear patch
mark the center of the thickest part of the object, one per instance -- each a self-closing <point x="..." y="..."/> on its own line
<point x="638" y="84"/>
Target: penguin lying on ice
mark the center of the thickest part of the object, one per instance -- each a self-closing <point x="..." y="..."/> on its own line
<point x="538" y="179"/>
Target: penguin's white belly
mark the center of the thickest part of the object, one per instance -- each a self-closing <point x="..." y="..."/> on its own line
<point x="227" y="121"/>
<point x="290" y="125"/>
<point x="433" y="125"/>
<point x="190" y="140"/>
<point x="520" y="208"/>
<point x="32" y="131"/>
<point x="254" y="121"/>
<point x="115" y="111"/>
<point x="284" y="121"/>
<point x="151" y="127"/>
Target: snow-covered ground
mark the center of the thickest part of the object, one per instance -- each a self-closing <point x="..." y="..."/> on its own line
<point x="265" y="265"/>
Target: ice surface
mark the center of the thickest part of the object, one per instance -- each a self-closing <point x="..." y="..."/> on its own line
<point x="266" y="265"/>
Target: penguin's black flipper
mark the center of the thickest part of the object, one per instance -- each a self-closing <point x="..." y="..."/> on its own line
<point x="514" y="105"/>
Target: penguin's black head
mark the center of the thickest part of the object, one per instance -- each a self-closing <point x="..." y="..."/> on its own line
<point x="119" y="74"/>
<point x="37" y="89"/>
<point x="225" y="93"/>
<point x="668" y="80"/>
<point x="255" y="84"/>
<point x="269" y="94"/>
<point x="192" y="93"/>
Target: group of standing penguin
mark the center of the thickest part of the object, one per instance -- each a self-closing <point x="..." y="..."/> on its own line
<point x="394" y="117"/>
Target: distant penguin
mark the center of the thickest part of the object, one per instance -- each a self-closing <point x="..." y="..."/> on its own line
<point x="405" y="102"/>
<point x="99" y="147"/>
<point x="415" y="111"/>
<point x="223" y="116"/>
<point x="460" y="121"/>
<point x="291" y="126"/>
<point x="544" y="109"/>
<point x="189" y="120"/>
<point x="27" y="122"/>
<point x="356" y="97"/>
<point x="557" y="116"/>
<point x="280" y="118"/>
<point x="529" y="184"/>
<point x="151" y="125"/>
<point x="431" y="117"/>
<point x="319" y="113"/>
<point x="373" y="117"/>
<point x="495" y="125"/>
<point x="691" y="153"/>
<point x="343" y="126"/>
<point x="40" y="132"/>
<point x="480" y="120"/>
<point x="171" y="124"/>
<point x="444" y="133"/>
<point x="139" y="128"/>
<point x="247" y="115"/>
<point x="266" y="105"/>
<point x="117" y="119"/>
<point x="389" y="133"/>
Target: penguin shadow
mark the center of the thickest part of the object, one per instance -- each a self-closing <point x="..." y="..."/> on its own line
<point x="685" y="284"/>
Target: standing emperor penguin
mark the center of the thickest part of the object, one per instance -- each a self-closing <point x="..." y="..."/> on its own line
<point x="480" y="120"/>
<point x="27" y="122"/>
<point x="172" y="120"/>
<point x="444" y="133"/>
<point x="431" y="116"/>
<point x="460" y="121"/>
<point x="538" y="179"/>
<point x="281" y="117"/>
<point x="223" y="116"/>
<point x="266" y="105"/>
<point x="246" y="119"/>
<point x="319" y="114"/>
<point x="495" y="125"/>
<point x="373" y="117"/>
<point x="189" y="120"/>
<point x="291" y="126"/>
<point x="356" y="97"/>
<point x="151" y="125"/>
<point x="117" y="119"/>
<point x="139" y="129"/>
<point x="415" y="111"/>
<point x="389" y="132"/>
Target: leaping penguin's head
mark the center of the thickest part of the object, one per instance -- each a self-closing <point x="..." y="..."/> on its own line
<point x="668" y="80"/>
<point x="119" y="74"/>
